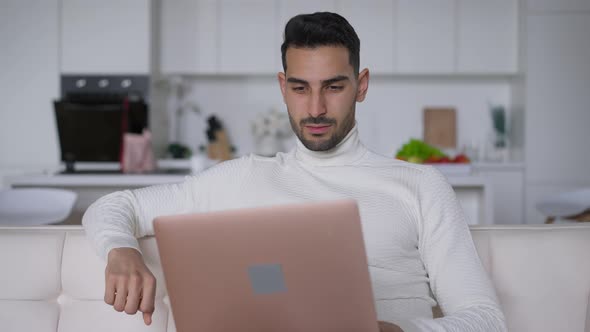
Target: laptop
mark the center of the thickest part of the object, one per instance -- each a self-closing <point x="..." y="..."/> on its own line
<point x="286" y="268"/>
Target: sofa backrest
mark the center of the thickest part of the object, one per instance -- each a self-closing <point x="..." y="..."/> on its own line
<point x="52" y="280"/>
<point x="541" y="274"/>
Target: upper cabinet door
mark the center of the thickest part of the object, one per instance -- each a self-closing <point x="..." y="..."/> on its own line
<point x="557" y="5"/>
<point x="188" y="37"/>
<point x="374" y="24"/>
<point x="425" y="38"/>
<point x="487" y="34"/>
<point x="105" y="37"/>
<point x="247" y="37"/>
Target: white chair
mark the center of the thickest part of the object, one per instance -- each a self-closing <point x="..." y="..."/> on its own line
<point x="568" y="206"/>
<point x="35" y="206"/>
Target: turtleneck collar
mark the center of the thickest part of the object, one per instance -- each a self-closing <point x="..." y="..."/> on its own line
<point x="348" y="151"/>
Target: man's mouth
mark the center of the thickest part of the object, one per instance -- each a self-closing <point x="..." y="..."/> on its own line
<point x="318" y="129"/>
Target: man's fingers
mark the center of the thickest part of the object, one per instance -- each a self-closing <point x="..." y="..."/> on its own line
<point x="147" y="318"/>
<point x="109" y="290"/>
<point x="133" y="296"/>
<point x="121" y="296"/>
<point x="129" y="284"/>
<point x="148" y="298"/>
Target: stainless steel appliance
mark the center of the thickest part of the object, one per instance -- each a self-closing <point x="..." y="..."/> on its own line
<point x="92" y="115"/>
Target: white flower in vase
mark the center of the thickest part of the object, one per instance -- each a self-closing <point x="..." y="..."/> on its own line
<point x="270" y="129"/>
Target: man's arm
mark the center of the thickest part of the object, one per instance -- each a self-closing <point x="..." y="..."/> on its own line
<point x="113" y="224"/>
<point x="118" y="219"/>
<point x="457" y="279"/>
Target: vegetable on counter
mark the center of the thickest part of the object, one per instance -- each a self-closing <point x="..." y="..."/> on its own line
<point x="418" y="152"/>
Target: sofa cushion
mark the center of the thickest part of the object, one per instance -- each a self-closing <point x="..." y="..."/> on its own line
<point x="38" y="316"/>
<point x="83" y="270"/>
<point x="541" y="274"/>
<point x="76" y="315"/>
<point x="33" y="259"/>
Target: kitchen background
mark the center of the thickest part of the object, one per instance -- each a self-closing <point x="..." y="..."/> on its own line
<point x="531" y="57"/>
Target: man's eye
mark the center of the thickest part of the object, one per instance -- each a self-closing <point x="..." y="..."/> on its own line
<point x="335" y="87"/>
<point x="298" y="89"/>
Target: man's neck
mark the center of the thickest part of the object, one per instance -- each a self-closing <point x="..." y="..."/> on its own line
<point x="348" y="151"/>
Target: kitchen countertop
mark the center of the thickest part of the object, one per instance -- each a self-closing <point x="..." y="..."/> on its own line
<point x="474" y="191"/>
<point x="492" y="166"/>
<point x="142" y="180"/>
<point x="95" y="180"/>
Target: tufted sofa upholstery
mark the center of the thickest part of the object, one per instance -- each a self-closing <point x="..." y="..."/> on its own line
<point x="51" y="279"/>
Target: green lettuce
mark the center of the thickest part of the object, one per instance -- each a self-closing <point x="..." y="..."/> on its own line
<point x="417" y="150"/>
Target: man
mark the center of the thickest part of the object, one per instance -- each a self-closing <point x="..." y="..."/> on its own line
<point x="418" y="245"/>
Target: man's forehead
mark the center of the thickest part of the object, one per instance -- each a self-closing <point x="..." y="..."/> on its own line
<point x="318" y="64"/>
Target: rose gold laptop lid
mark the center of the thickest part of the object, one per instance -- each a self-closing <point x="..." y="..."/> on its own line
<point x="285" y="268"/>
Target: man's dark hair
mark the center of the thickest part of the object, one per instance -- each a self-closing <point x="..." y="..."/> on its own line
<point x="321" y="29"/>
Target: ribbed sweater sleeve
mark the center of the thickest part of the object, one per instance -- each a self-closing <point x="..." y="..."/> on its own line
<point x="118" y="219"/>
<point x="457" y="279"/>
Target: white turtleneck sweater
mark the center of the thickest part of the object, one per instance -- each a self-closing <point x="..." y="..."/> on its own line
<point x="419" y="248"/>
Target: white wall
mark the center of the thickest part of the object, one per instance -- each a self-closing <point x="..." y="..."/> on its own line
<point x="557" y="100"/>
<point x="391" y="114"/>
<point x="29" y="81"/>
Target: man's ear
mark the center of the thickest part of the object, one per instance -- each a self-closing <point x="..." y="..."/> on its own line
<point x="363" y="85"/>
<point x="282" y="84"/>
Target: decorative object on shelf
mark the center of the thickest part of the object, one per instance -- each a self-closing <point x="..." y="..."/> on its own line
<point x="178" y="151"/>
<point x="270" y="129"/>
<point x="138" y="155"/>
<point x="440" y="127"/>
<point x="179" y="105"/>
<point x="498" y="145"/>
<point x="219" y="147"/>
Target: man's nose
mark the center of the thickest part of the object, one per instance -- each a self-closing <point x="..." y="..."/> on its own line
<point x="317" y="105"/>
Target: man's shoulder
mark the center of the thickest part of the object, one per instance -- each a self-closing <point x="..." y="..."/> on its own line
<point x="244" y="163"/>
<point x="418" y="174"/>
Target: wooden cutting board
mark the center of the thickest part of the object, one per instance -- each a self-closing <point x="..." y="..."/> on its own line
<point x="440" y="127"/>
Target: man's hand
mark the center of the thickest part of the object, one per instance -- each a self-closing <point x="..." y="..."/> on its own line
<point x="129" y="284"/>
<point x="388" y="327"/>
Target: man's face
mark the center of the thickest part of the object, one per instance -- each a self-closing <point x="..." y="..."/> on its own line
<point x="320" y="91"/>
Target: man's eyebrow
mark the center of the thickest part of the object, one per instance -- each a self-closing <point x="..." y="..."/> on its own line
<point x="335" y="79"/>
<point x="324" y="82"/>
<point x="297" y="81"/>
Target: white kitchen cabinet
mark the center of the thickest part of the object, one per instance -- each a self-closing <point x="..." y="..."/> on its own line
<point x="29" y="81"/>
<point x="487" y="36"/>
<point x="247" y="37"/>
<point x="425" y="36"/>
<point x="557" y="5"/>
<point x="105" y="37"/>
<point x="373" y="22"/>
<point x="188" y="37"/>
<point x="507" y="181"/>
<point x="557" y="99"/>
<point x="397" y="36"/>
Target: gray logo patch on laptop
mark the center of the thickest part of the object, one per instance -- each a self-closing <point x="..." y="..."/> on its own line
<point x="267" y="278"/>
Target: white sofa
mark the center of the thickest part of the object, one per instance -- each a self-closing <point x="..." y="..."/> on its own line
<point x="51" y="279"/>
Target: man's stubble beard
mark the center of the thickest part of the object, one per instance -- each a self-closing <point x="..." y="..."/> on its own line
<point x="326" y="144"/>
